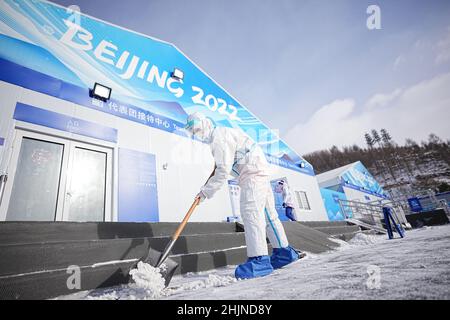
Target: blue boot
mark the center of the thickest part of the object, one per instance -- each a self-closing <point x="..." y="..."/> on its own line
<point x="254" y="267"/>
<point x="283" y="256"/>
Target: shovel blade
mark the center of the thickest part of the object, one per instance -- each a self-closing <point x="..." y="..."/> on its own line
<point x="167" y="269"/>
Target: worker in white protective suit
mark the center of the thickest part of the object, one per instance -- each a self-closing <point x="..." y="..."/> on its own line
<point x="236" y="154"/>
<point x="288" y="202"/>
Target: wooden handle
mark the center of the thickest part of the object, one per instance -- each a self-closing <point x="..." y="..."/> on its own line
<point x="186" y="218"/>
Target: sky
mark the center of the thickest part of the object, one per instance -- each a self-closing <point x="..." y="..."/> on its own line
<point x="312" y="69"/>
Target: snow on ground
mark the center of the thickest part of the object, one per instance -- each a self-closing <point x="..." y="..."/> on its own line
<point x="367" y="267"/>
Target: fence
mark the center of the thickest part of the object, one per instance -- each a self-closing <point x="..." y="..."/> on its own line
<point x="372" y="213"/>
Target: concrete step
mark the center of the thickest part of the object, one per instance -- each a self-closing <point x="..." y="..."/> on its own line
<point x="304" y="238"/>
<point x="367" y="226"/>
<point x="52" y="283"/>
<point x="23" y="258"/>
<point x="308" y="239"/>
<point x="337" y="230"/>
<point x="210" y="260"/>
<point x="314" y="224"/>
<point x="32" y="232"/>
<point x="345" y="236"/>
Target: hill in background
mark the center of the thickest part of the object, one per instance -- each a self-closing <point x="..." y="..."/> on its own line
<point x="401" y="170"/>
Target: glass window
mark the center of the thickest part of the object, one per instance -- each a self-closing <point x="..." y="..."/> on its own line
<point x="36" y="183"/>
<point x="303" y="201"/>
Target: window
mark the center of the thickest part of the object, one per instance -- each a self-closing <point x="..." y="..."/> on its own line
<point x="303" y="201"/>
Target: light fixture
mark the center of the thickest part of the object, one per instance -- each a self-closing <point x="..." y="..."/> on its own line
<point x="177" y="74"/>
<point x="100" y="92"/>
<point x="302" y="164"/>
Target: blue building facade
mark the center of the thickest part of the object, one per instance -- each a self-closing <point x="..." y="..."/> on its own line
<point x="349" y="182"/>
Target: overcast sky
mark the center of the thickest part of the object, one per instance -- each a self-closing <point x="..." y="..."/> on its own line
<point x="311" y="68"/>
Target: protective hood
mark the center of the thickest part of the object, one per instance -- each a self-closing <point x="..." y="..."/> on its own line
<point x="200" y="127"/>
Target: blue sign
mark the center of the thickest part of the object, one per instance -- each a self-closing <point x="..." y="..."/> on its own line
<point x="415" y="205"/>
<point x="27" y="113"/>
<point x="331" y="201"/>
<point x="138" y="194"/>
<point x="357" y="177"/>
<point x="71" y="51"/>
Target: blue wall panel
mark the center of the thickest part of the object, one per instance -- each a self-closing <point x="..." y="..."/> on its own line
<point x="138" y="192"/>
<point x="331" y="201"/>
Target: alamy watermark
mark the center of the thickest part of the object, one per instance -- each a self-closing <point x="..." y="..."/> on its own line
<point x="374" y="20"/>
<point x="374" y="279"/>
<point x="74" y="280"/>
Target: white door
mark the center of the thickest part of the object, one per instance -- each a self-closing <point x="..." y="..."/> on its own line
<point x="56" y="179"/>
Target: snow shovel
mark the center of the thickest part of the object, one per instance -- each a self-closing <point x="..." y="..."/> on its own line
<point x="156" y="258"/>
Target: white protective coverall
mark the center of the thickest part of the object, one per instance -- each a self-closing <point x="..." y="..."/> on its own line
<point x="236" y="154"/>
<point x="287" y="195"/>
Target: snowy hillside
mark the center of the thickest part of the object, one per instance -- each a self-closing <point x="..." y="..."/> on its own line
<point x="400" y="170"/>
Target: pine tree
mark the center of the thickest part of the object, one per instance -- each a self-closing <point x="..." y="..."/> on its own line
<point x="380" y="154"/>
<point x="434" y="140"/>
<point x="394" y="158"/>
<point x="386" y="137"/>
<point x="372" y="155"/>
<point x="375" y="137"/>
<point x="369" y="140"/>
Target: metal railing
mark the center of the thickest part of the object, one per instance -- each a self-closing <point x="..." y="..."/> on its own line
<point x="372" y="213"/>
<point x="429" y="201"/>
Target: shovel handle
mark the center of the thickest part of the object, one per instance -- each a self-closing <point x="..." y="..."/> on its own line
<point x="185" y="220"/>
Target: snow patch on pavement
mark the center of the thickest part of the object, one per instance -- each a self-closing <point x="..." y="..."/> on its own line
<point x="212" y="280"/>
<point x="149" y="285"/>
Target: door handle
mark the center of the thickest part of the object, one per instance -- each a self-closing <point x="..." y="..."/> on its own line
<point x="3" y="179"/>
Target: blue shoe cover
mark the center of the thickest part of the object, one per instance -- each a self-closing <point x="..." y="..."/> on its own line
<point x="283" y="256"/>
<point x="254" y="267"/>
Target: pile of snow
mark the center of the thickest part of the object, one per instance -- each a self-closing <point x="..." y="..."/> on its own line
<point x="148" y="278"/>
<point x="362" y="239"/>
<point x="148" y="284"/>
<point x="359" y="239"/>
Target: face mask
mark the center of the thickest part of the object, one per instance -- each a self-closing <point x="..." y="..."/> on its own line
<point x="195" y="130"/>
<point x="201" y="136"/>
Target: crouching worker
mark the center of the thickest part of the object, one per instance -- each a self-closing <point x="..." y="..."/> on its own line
<point x="236" y="154"/>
